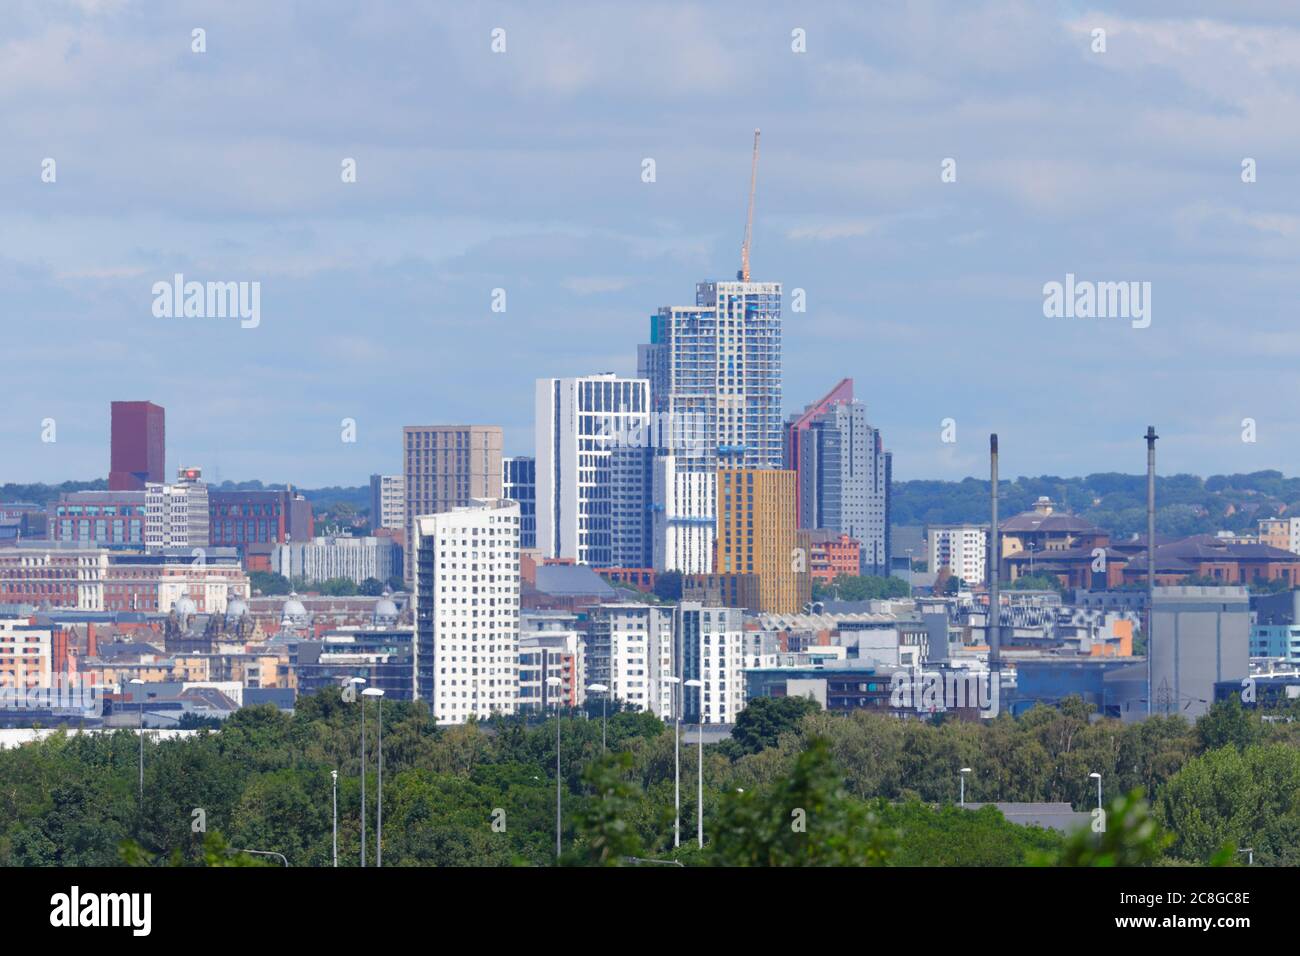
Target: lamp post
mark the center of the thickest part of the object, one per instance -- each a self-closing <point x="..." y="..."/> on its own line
<point x="140" y="733"/>
<point x="677" y="763"/>
<point x="378" y="694"/>
<point x="556" y="682"/>
<point x="1097" y="776"/>
<point x="699" y="773"/>
<point x="964" y="771"/>
<point x="358" y="681"/>
<point x="604" y="700"/>
<point x="334" y="775"/>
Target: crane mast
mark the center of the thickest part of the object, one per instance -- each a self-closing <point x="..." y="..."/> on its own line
<point x="743" y="275"/>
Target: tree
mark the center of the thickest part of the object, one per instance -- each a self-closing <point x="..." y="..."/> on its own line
<point x="868" y="587"/>
<point x="1038" y="581"/>
<point x="371" y="587"/>
<point x="268" y="583"/>
<point x="764" y="719"/>
<point x="803" y="819"/>
<point x="605" y="835"/>
<point x="1228" y="797"/>
<point x="1226" y="724"/>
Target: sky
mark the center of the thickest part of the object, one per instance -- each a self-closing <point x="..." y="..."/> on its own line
<point x="522" y="170"/>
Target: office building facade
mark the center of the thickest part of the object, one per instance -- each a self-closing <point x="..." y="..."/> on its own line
<point x="328" y="558"/>
<point x="177" y="514"/>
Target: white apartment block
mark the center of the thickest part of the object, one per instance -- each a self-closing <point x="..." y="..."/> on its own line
<point x="684" y="517"/>
<point x="26" y="654"/>
<point x="388" y="501"/>
<point x="176" y="515"/>
<point x="630" y="651"/>
<point x="466" y="602"/>
<point x="710" y="645"/>
<point x="338" y="557"/>
<point x="962" y="549"/>
<point x="551" y="646"/>
<point x="578" y="424"/>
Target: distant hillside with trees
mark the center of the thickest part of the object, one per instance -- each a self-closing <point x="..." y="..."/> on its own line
<point x="1186" y="504"/>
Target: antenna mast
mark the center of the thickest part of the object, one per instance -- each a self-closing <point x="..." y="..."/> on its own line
<point x="743" y="275"/>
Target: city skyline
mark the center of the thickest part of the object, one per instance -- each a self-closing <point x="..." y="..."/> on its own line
<point x="376" y="295"/>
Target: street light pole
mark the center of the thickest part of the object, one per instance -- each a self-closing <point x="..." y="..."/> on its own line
<point x="139" y="805"/>
<point x="358" y="681"/>
<point x="677" y="762"/>
<point x="378" y="694"/>
<point x="1098" y="777"/>
<point x="699" y="773"/>
<point x="556" y="682"/>
<point x="964" y="771"/>
<point x="604" y="700"/>
<point x="334" y="775"/>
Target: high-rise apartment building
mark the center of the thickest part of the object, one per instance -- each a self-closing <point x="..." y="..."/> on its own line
<point x="757" y="535"/>
<point x="630" y="651"/>
<point x="580" y="422"/>
<point x="962" y="549"/>
<point x="709" y="642"/>
<point x="719" y="363"/>
<point x="550" y="645"/>
<point x="519" y="483"/>
<point x="388" y="502"/>
<point x="445" y="467"/>
<point x="683" y="518"/>
<point x="138" y="445"/>
<point x="715" y="379"/>
<point x="176" y="514"/>
<point x="466" y="602"/>
<point x="844" y="474"/>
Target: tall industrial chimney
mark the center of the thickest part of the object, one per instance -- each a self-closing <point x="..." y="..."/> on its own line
<point x="995" y="615"/>
<point x="1151" y="437"/>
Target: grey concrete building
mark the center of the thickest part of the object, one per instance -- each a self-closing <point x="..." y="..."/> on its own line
<point x="1200" y="635"/>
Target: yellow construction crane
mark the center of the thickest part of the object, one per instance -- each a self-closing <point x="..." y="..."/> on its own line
<point x="743" y="275"/>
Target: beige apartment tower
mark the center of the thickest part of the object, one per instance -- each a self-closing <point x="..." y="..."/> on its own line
<point x="445" y="467"/>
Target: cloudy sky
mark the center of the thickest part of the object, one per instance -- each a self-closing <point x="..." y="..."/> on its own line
<point x="522" y="170"/>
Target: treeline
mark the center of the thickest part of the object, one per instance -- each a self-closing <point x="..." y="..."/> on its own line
<point x="793" y="786"/>
<point x="1186" y="504"/>
<point x="270" y="583"/>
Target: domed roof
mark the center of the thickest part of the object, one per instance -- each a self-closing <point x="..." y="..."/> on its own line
<point x="385" y="610"/>
<point x="185" y="606"/>
<point x="236" y="608"/>
<point x="294" y="612"/>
